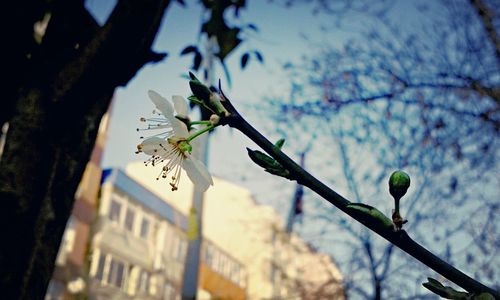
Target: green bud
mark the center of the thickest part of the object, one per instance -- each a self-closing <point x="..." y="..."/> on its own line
<point x="399" y="182"/>
<point x="191" y="75"/>
<point x="200" y="90"/>
<point x="280" y="143"/>
<point x="195" y="100"/>
<point x="371" y="212"/>
<point x="204" y="97"/>
<point x="484" y="296"/>
<point x="269" y="164"/>
<point x="216" y="105"/>
<point x="444" y="291"/>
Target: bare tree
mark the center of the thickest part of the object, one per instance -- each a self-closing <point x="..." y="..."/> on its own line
<point x="421" y="100"/>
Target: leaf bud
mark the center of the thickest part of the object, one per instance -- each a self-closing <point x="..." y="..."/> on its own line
<point x="399" y="182"/>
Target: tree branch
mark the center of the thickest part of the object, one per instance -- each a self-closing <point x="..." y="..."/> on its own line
<point x="485" y="14"/>
<point x="400" y="239"/>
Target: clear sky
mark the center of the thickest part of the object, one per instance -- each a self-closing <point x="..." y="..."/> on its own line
<point x="285" y="34"/>
<point x="280" y="39"/>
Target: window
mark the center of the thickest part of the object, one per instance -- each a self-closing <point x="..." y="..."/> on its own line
<point x="229" y="268"/>
<point x="235" y="274"/>
<point x="100" y="267"/>
<point x="110" y="270"/>
<point x="115" y="209"/>
<point x="144" y="282"/>
<point x="179" y="247"/>
<point x="183" y="250"/>
<point x="215" y="259"/>
<point x="116" y="273"/>
<point x="242" y="276"/>
<point x="129" y="219"/>
<point x="222" y="264"/>
<point x="120" y="274"/>
<point x="145" y="224"/>
<point x="208" y="254"/>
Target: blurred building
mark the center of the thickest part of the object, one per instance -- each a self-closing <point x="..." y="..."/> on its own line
<point x="137" y="246"/>
<point x="271" y="263"/>
<point x="128" y="233"/>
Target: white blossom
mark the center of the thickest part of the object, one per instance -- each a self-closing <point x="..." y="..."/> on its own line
<point x="171" y="147"/>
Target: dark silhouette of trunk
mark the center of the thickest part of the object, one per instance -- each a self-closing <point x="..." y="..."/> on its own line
<point x="56" y="95"/>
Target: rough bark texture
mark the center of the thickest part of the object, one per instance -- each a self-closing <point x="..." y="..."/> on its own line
<point x="55" y="98"/>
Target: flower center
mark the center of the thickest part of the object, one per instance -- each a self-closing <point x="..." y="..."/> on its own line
<point x="178" y="152"/>
<point x="184" y="146"/>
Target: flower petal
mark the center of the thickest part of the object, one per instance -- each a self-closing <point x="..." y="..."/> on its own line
<point x="180" y="105"/>
<point x="198" y="173"/>
<point x="162" y="104"/>
<point x="180" y="129"/>
<point x="154" y="146"/>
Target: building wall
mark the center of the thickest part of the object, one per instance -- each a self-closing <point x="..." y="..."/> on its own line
<point x="137" y="253"/>
<point x="276" y="265"/>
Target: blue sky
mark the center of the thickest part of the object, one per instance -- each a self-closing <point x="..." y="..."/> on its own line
<point x="285" y="34"/>
<point x="280" y="39"/>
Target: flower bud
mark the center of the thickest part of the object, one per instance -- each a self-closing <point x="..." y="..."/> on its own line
<point x="399" y="182"/>
<point x="214" y="119"/>
<point x="200" y="90"/>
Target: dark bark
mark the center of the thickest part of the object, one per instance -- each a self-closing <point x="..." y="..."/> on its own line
<point x="58" y="101"/>
<point x="17" y="34"/>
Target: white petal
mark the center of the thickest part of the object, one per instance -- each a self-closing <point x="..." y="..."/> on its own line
<point x="198" y="173"/>
<point x="180" y="106"/>
<point x="154" y="146"/>
<point x="162" y="104"/>
<point x="180" y="129"/>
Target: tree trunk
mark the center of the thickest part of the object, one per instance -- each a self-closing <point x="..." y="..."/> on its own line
<point x="57" y="106"/>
